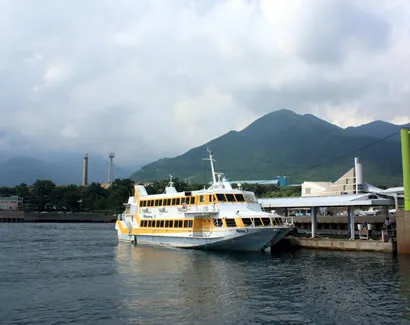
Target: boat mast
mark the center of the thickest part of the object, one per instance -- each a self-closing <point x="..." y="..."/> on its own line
<point x="171" y="183"/>
<point x="211" y="159"/>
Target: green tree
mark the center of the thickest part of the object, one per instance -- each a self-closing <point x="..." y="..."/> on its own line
<point x="7" y="191"/>
<point x="94" y="197"/>
<point x="56" y="198"/>
<point x="119" y="192"/>
<point x="22" y="191"/>
<point x="72" y="195"/>
<point x="39" y="194"/>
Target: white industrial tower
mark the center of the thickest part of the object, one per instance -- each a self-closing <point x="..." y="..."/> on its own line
<point x="111" y="157"/>
<point x="85" y="170"/>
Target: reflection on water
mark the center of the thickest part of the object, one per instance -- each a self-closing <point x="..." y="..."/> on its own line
<point x="303" y="287"/>
<point x="79" y="274"/>
<point x="404" y="282"/>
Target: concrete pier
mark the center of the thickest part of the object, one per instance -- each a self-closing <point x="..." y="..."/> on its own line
<point x="339" y="244"/>
<point x="403" y="232"/>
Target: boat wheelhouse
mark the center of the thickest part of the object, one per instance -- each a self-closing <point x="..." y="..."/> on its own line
<point x="218" y="217"/>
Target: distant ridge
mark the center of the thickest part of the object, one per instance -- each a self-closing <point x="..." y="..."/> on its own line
<point x="377" y="129"/>
<point x="283" y="143"/>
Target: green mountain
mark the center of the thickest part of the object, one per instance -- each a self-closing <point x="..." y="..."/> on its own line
<point x="378" y="129"/>
<point x="302" y="147"/>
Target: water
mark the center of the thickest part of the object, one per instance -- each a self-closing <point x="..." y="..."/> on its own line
<point x="79" y="274"/>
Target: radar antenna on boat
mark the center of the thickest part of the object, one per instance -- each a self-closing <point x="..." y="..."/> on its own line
<point x="211" y="160"/>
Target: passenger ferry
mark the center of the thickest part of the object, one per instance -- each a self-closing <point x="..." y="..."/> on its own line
<point x="218" y="217"/>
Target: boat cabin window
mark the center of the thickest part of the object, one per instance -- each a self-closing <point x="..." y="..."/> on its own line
<point x="258" y="222"/>
<point x="192" y="200"/>
<point x="247" y="221"/>
<point x="230" y="222"/>
<point x="178" y="201"/>
<point x="251" y="198"/>
<point x="218" y="222"/>
<point x="266" y="221"/>
<point x="201" y="198"/>
<point x="183" y="201"/>
<point x="221" y="197"/>
<point x="230" y="197"/>
<point x="239" y="198"/>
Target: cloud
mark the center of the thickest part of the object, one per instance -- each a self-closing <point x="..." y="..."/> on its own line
<point x="149" y="79"/>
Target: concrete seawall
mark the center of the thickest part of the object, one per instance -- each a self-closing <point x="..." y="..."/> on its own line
<point x="20" y="216"/>
<point x="11" y="216"/>
<point x="68" y="217"/>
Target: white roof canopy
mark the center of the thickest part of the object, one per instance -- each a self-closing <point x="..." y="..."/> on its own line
<point x="368" y="199"/>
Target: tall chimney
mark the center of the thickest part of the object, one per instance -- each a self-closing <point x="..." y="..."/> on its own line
<point x="85" y="170"/>
<point x="358" y="172"/>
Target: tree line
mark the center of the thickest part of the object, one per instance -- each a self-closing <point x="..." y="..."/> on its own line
<point x="45" y="195"/>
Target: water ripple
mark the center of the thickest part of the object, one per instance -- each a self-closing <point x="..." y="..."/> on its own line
<point x="79" y="274"/>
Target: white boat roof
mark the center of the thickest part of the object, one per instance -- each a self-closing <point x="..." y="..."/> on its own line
<point x="220" y="185"/>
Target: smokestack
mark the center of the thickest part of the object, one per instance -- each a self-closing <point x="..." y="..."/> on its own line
<point x="85" y="170"/>
<point x="111" y="157"/>
<point x="358" y="172"/>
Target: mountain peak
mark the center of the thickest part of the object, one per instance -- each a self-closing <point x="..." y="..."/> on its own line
<point x="282" y="143"/>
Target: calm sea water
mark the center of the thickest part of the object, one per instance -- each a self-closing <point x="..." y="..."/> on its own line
<point x="80" y="274"/>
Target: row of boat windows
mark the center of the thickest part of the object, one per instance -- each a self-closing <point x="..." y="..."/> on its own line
<point x="208" y="198"/>
<point x="257" y="222"/>
<point x="166" y="223"/>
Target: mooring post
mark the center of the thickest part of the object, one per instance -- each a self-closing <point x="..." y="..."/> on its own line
<point x="314" y="221"/>
<point x="405" y="150"/>
<point x="350" y="216"/>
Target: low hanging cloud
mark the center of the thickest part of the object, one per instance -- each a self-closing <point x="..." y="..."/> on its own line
<point x="153" y="78"/>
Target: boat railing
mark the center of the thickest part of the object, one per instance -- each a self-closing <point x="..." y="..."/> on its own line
<point x="282" y="221"/>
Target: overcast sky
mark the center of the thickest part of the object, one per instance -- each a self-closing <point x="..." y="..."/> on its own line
<point x="154" y="78"/>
